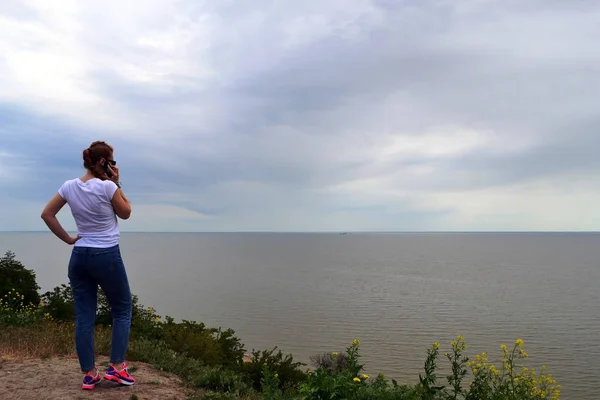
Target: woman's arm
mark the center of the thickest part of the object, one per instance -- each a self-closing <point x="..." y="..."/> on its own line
<point x="119" y="202"/>
<point x="121" y="205"/>
<point x="49" y="216"/>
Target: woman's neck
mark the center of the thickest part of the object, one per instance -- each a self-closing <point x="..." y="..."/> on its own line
<point x="88" y="175"/>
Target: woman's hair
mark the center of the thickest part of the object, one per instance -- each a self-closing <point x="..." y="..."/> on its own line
<point x="93" y="154"/>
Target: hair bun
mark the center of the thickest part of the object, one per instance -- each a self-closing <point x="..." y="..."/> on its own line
<point x="86" y="155"/>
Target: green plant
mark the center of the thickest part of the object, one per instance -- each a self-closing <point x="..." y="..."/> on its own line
<point x="190" y="370"/>
<point x="14" y="311"/>
<point x="58" y="303"/>
<point x="165" y="359"/>
<point x="381" y="389"/>
<point x="458" y="363"/>
<point x="334" y="362"/>
<point x="269" y="384"/>
<point x="211" y="395"/>
<point x="489" y="382"/>
<point x="428" y="382"/>
<point x="507" y="382"/>
<point x="322" y="384"/>
<point x="221" y="380"/>
<point x="211" y="346"/>
<point x="15" y="277"/>
<point x="287" y="370"/>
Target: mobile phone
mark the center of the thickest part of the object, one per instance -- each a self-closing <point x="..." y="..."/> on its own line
<point x="105" y="166"/>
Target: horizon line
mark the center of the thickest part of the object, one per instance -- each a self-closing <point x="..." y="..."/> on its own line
<point x="335" y="231"/>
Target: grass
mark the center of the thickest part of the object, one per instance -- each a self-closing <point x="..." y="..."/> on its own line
<point x="46" y="339"/>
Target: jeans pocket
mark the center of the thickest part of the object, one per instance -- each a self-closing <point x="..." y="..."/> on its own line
<point x="114" y="263"/>
<point x="76" y="262"/>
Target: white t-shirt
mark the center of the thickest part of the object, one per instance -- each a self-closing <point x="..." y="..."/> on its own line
<point x="91" y="205"/>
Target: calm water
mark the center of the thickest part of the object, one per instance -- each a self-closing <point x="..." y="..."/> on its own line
<point x="398" y="293"/>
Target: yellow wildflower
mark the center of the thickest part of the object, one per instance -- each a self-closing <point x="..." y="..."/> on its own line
<point x="436" y="345"/>
<point x="356" y="379"/>
<point x="365" y="376"/>
<point x="519" y="342"/>
<point x="355" y="342"/>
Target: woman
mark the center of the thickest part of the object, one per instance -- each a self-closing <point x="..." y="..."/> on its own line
<point x="96" y="200"/>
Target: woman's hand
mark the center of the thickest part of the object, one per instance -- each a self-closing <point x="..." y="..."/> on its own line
<point x="115" y="173"/>
<point x="72" y="240"/>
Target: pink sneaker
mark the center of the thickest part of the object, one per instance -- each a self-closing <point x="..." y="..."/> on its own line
<point x="122" y="377"/>
<point x="90" y="381"/>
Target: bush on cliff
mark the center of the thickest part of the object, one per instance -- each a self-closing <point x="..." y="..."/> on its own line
<point x="15" y="277"/>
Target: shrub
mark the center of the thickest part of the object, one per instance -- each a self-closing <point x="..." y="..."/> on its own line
<point x="14" y="311"/>
<point x="189" y="369"/>
<point x="330" y="382"/>
<point x="162" y="357"/>
<point x="15" y="277"/>
<point x="221" y="380"/>
<point x="333" y="363"/>
<point x="325" y="383"/>
<point x="507" y="382"/>
<point x="210" y="345"/>
<point x="210" y="395"/>
<point x="58" y="303"/>
<point x="287" y="370"/>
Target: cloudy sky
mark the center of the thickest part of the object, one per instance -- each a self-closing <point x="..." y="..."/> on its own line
<point x="314" y="115"/>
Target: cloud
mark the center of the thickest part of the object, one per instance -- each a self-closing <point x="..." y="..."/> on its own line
<point x="356" y="115"/>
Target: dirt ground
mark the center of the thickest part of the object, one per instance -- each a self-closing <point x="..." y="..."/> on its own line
<point x="60" y="378"/>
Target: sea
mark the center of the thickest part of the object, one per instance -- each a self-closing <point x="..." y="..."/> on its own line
<point x="309" y="293"/>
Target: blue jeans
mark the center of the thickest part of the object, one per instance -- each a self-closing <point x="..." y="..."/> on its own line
<point x="89" y="268"/>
